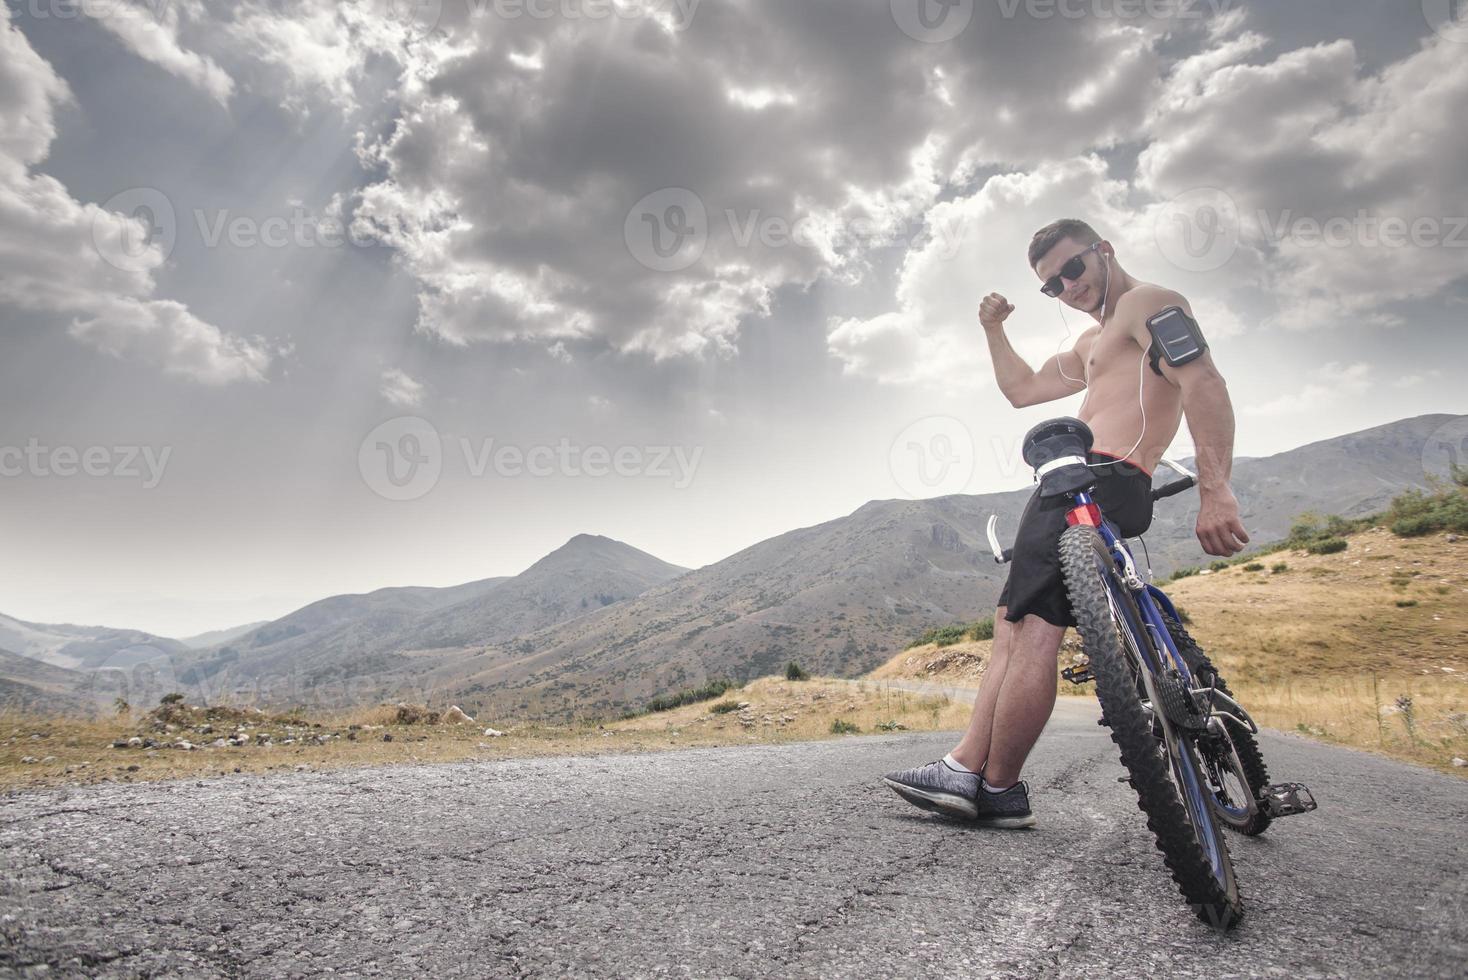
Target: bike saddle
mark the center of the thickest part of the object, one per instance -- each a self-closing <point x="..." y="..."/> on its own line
<point x="1058" y="450"/>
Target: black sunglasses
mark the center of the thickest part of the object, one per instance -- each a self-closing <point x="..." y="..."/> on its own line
<point x="1073" y="269"/>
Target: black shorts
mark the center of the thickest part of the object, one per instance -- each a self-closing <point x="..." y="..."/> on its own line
<point x="1036" y="585"/>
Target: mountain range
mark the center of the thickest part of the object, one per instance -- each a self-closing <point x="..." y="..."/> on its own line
<point x="597" y="625"/>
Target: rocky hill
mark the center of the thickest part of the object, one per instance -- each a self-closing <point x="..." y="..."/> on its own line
<point x="840" y="596"/>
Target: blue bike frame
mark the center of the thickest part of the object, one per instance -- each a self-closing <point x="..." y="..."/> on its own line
<point x="1150" y="601"/>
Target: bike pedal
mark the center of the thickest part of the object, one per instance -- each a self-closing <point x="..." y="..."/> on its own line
<point x="1078" y="675"/>
<point x="1286" y="800"/>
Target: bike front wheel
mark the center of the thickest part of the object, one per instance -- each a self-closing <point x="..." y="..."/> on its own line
<point x="1162" y="760"/>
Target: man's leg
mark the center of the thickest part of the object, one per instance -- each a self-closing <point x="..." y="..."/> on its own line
<point x="1025" y="700"/>
<point x="973" y="750"/>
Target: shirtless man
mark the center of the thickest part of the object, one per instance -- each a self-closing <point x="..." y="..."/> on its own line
<point x="979" y="779"/>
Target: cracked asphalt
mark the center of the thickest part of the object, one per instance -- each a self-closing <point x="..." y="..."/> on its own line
<point x="789" y="861"/>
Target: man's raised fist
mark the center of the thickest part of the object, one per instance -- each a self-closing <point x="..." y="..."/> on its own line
<point x="994" y="310"/>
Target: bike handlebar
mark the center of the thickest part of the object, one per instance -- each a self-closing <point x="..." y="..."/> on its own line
<point x="1174" y="488"/>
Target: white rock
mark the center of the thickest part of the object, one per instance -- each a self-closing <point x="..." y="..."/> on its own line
<point x="493" y="733"/>
<point x="456" y="716"/>
<point x="1460" y="763"/>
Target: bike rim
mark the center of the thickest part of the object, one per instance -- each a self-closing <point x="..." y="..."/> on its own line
<point x="1183" y="762"/>
<point x="1198" y="805"/>
<point x="1232" y="785"/>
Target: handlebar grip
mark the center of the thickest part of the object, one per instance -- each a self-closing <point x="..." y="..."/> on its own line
<point x="1174" y="488"/>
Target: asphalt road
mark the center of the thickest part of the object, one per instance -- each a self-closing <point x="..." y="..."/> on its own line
<point x="786" y="861"/>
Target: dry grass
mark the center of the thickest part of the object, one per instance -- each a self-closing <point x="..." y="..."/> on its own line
<point x="70" y="752"/>
<point x="1324" y="647"/>
<point x="1431" y="728"/>
<point x="961" y="664"/>
<point x="1327" y="647"/>
<point x="778" y="710"/>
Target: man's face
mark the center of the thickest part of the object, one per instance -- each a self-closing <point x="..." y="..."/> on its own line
<point x="1086" y="292"/>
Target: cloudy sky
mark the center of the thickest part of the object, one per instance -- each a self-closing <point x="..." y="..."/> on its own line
<point x="315" y="297"/>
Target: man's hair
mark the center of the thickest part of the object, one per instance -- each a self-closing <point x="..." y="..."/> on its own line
<point x="1046" y="238"/>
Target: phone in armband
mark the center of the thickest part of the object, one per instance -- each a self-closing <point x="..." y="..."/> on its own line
<point x="1176" y="338"/>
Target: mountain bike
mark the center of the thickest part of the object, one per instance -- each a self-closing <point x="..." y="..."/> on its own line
<point x="1187" y="744"/>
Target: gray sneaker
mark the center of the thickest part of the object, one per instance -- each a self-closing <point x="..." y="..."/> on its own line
<point x="1009" y="809"/>
<point x="938" y="788"/>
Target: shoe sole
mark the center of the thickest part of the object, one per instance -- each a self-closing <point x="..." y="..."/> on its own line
<point x="1008" y="823"/>
<point x="947" y="803"/>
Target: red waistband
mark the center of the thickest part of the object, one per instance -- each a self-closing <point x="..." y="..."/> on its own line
<point x="1129" y="462"/>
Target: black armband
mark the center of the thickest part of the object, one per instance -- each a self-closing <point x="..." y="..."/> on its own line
<point x="1176" y="337"/>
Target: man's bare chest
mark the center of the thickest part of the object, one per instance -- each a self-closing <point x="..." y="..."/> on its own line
<point x="1113" y="353"/>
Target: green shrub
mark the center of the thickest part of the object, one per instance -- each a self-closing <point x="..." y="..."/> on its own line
<point x="723" y="707"/>
<point x="891" y="726"/>
<point x="708" y="692"/>
<point x="946" y="636"/>
<point x="1218" y="566"/>
<point x="1280" y="568"/>
<point x="1183" y="573"/>
<point x="1415" y="513"/>
<point x="1310" y="530"/>
<point x="843" y="727"/>
<point x="1253" y="566"/>
<point x="173" y="698"/>
<point x="1327" y="546"/>
<point x="794" y="673"/>
<point x="1406" y="603"/>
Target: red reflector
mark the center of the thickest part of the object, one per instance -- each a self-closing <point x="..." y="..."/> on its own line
<point x="1089" y="515"/>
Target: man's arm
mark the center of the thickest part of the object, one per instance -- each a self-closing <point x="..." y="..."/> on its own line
<point x="1021" y="384"/>
<point x="1210" y="415"/>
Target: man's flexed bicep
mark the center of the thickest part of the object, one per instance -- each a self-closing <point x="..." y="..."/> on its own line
<point x="1210" y="415"/>
<point x="1058" y="377"/>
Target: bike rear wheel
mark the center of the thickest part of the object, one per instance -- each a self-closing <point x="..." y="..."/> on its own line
<point x="1166" y="771"/>
<point x="1239" y="767"/>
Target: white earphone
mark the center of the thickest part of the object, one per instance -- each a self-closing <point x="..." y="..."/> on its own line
<point x="1141" y="366"/>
